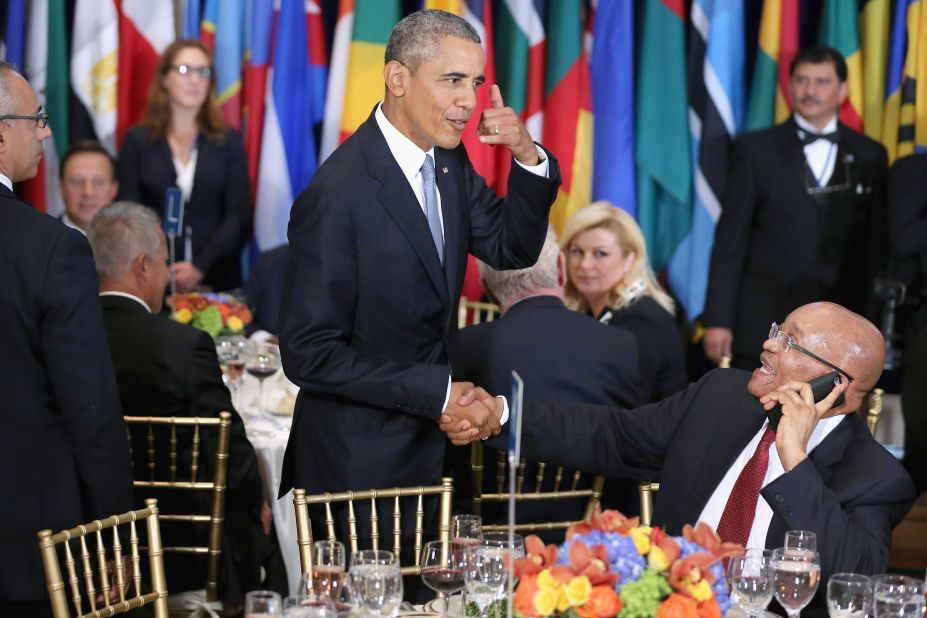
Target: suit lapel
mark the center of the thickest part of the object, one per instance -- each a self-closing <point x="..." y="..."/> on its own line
<point x="790" y="151"/>
<point x="446" y="181"/>
<point x="397" y="198"/>
<point x="203" y="151"/>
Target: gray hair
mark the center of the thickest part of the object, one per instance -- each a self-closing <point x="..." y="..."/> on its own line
<point x="7" y="98"/>
<point x="416" y="37"/>
<point x="504" y="285"/>
<point x="120" y="233"/>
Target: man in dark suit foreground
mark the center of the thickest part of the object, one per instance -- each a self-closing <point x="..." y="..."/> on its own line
<point x="803" y="215"/>
<point x="378" y="250"/>
<point x="63" y="449"/>
<point x="165" y="368"/>
<point x="560" y="354"/>
<point x="824" y="473"/>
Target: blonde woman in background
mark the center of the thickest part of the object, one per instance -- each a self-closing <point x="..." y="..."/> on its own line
<point x="609" y="277"/>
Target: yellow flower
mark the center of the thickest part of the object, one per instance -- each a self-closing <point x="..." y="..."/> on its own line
<point x="657" y="560"/>
<point x="563" y="601"/>
<point x="700" y="591"/>
<point x="578" y="590"/>
<point x="546" y="581"/>
<point x="545" y="601"/>
<point x="641" y="538"/>
<point x="184" y="316"/>
<point x="234" y="323"/>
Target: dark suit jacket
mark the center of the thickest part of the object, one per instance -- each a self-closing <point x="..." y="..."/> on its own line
<point x="164" y="368"/>
<point x="219" y="210"/>
<point x="370" y="313"/>
<point x="265" y="289"/>
<point x="850" y="491"/>
<point x="63" y="449"/>
<point x="561" y="355"/>
<point x="777" y="247"/>
<point x="907" y="216"/>
<point x="662" y="359"/>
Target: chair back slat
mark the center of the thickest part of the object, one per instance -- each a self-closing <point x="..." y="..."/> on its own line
<point x="128" y="600"/>
<point x="875" y="409"/>
<point x="217" y="486"/>
<point x="470" y="312"/>
<point x="646" y="491"/>
<point x="539" y="478"/>
<point x="520" y="479"/>
<point x="302" y="501"/>
<point x="500" y="471"/>
<point x="558" y="478"/>
<point x="577" y="476"/>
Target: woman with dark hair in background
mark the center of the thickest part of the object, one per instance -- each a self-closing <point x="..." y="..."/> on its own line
<point x="182" y="141"/>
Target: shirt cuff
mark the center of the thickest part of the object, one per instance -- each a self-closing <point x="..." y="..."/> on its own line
<point x="447" y="395"/>
<point x="540" y="169"/>
<point x="505" y="410"/>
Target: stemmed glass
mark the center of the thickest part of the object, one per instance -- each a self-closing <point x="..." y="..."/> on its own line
<point x="262" y="362"/>
<point x="443" y="569"/>
<point x="848" y="595"/>
<point x="897" y="596"/>
<point x="263" y="604"/>
<point x="796" y="575"/>
<point x="501" y="539"/>
<point x="466" y="531"/>
<point x="308" y="606"/>
<point x="486" y="574"/>
<point x="750" y="576"/>
<point x="801" y="539"/>
<point x="229" y="351"/>
<point x="326" y="575"/>
<point x="375" y="582"/>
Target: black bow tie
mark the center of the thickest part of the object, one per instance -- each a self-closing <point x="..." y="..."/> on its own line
<point x="810" y="138"/>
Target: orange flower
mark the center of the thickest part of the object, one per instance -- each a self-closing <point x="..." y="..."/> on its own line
<point x="691" y="570"/>
<point x="603" y="603"/>
<point x="678" y="606"/>
<point x="538" y="557"/>
<point x="709" y="609"/>
<point x="704" y="535"/>
<point x="524" y="595"/>
<point x="607" y="521"/>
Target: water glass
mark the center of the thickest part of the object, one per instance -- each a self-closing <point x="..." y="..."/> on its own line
<point x="801" y="539"/>
<point x="849" y="595"/>
<point x="263" y="604"/>
<point x="501" y="539"/>
<point x="326" y="575"/>
<point x="375" y="583"/>
<point x="751" y="579"/>
<point x="796" y="575"/>
<point x="487" y="574"/>
<point x="897" y="596"/>
<point x="443" y="569"/>
<point x="466" y="530"/>
<point x="308" y="606"/>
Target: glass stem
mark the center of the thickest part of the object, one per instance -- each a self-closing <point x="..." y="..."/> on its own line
<point x="261" y="396"/>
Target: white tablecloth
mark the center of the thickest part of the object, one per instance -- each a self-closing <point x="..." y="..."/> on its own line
<point x="269" y="432"/>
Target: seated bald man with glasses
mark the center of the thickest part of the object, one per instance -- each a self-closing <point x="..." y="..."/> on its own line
<point x="718" y="461"/>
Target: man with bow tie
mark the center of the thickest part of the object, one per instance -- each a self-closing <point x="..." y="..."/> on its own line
<point x="802" y="218"/>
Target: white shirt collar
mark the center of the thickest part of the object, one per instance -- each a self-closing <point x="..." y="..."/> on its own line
<point x="409" y="156"/>
<point x="6" y="180"/>
<point x="807" y="127"/>
<point x="68" y="222"/>
<point x="127" y="295"/>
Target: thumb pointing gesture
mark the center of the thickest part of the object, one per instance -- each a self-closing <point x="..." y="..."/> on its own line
<point x="495" y="97"/>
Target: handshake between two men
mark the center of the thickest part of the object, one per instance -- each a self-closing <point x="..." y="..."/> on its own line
<point x="471" y="413"/>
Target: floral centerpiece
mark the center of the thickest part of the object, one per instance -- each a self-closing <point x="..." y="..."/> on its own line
<point x="611" y="566"/>
<point x="217" y="314"/>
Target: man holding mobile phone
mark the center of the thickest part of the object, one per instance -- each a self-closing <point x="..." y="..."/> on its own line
<point x="711" y="444"/>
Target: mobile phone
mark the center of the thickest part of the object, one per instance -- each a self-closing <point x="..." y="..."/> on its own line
<point x="820" y="388"/>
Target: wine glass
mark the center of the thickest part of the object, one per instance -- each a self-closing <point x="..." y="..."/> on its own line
<point x="801" y="539"/>
<point x="796" y="575"/>
<point x="443" y="569"/>
<point x="230" y="351"/>
<point x="262" y="362"/>
<point x="501" y="539"/>
<point x="263" y="604"/>
<point x="308" y="606"/>
<point x="849" y="595"/>
<point x="326" y="574"/>
<point x="375" y="582"/>
<point x="466" y="530"/>
<point x="751" y="578"/>
<point x="897" y="596"/>
<point x="486" y="574"/>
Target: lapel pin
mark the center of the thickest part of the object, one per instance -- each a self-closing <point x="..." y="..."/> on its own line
<point x="444" y="169"/>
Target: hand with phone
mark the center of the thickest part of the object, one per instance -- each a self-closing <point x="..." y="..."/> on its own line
<point x="800" y="405"/>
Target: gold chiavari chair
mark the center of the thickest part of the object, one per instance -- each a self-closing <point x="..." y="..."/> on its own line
<point x="130" y="595"/>
<point x="471" y="312"/>
<point x="301" y="502"/>
<point x="563" y="489"/>
<point x="874" y="409"/>
<point x="191" y="481"/>
<point x="646" y="491"/>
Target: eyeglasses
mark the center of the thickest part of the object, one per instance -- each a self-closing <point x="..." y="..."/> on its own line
<point x="776" y="333"/>
<point x="40" y="119"/>
<point x="188" y="70"/>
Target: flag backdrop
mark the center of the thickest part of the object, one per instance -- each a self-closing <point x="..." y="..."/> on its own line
<point x="617" y="105"/>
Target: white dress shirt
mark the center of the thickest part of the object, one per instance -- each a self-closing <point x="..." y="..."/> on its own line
<point x="127" y="295"/>
<point x="6" y="181"/>
<point x="68" y="222"/>
<point x="711" y="514"/>
<point x="821" y="154"/>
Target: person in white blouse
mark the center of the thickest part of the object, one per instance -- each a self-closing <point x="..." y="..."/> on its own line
<point x="803" y="216"/>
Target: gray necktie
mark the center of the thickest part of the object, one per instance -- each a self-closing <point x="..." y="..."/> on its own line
<point x="430" y="195"/>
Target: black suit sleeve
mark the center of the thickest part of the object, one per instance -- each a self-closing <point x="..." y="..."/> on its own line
<point x="732" y="238"/>
<point x="209" y="397"/>
<point x="81" y="374"/>
<point x="234" y="202"/>
<point x="907" y="206"/>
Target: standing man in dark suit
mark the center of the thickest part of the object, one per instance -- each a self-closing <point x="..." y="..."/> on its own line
<point x="63" y="449"/>
<point x="803" y="215"/>
<point x="378" y="250"/>
<point x="820" y="470"/>
<point x="561" y="355"/>
<point x="164" y="368"/>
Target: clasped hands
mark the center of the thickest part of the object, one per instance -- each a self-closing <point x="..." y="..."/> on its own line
<point x="471" y="413"/>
